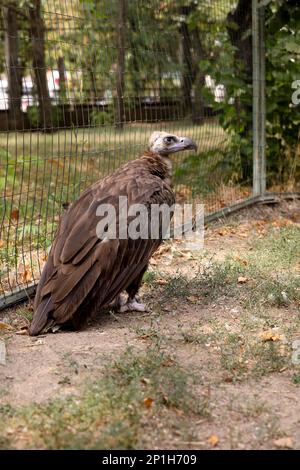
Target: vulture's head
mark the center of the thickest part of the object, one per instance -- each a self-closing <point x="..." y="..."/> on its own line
<point x="165" y="144"/>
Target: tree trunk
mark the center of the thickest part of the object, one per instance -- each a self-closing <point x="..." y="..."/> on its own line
<point x="37" y="33"/>
<point x="199" y="79"/>
<point x="62" y="79"/>
<point x="135" y="64"/>
<point x="14" y="70"/>
<point x="241" y="21"/>
<point x="187" y="63"/>
<point x="192" y="77"/>
<point x="93" y="83"/>
<point x="241" y="38"/>
<point x="120" y="88"/>
<point x="198" y="106"/>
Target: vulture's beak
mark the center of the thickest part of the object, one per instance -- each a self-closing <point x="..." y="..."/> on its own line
<point x="183" y="143"/>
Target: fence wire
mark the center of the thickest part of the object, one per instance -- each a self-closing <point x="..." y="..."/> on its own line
<point x="84" y="83"/>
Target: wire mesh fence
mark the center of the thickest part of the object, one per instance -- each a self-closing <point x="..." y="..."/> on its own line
<point x="84" y="83"/>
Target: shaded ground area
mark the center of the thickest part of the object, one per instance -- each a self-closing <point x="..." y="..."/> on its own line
<point x="214" y="364"/>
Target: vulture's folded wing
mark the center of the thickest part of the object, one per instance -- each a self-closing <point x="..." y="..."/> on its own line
<point x="79" y="260"/>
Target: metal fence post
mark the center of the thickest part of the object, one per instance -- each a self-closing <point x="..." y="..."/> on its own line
<point x="258" y="57"/>
<point x="255" y="98"/>
<point x="262" y="83"/>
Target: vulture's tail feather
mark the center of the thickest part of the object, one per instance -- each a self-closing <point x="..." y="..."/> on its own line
<point x="41" y="318"/>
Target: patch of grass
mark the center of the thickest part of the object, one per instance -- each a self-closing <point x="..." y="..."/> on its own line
<point x="3" y="392"/>
<point x="5" y="443"/>
<point x="245" y="357"/>
<point x="6" y="410"/>
<point x="149" y="277"/>
<point x="167" y="382"/>
<point x="260" y="289"/>
<point x="193" y="336"/>
<point x="231" y="357"/>
<point x="296" y="377"/>
<point x="280" y="291"/>
<point x="249" y="407"/>
<point x="268" y="358"/>
<point x="71" y="363"/>
<point x="280" y="249"/>
<point x="147" y="333"/>
<point x="137" y="390"/>
<point x="177" y="286"/>
<point x="269" y="270"/>
<point x="24" y="313"/>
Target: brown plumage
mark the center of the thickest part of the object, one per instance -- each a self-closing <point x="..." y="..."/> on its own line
<point x="85" y="273"/>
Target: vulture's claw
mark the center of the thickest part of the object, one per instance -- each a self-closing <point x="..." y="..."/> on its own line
<point x="132" y="305"/>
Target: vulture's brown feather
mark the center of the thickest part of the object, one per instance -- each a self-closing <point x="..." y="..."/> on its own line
<point x="83" y="272"/>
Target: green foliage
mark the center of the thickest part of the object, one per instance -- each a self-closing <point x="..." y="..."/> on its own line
<point x="102" y="118"/>
<point x="33" y="116"/>
<point x="296" y="378"/>
<point x="209" y="169"/>
<point x="282" y="117"/>
<point x="282" y="69"/>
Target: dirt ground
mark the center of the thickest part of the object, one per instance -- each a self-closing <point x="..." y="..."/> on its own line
<point x="226" y="321"/>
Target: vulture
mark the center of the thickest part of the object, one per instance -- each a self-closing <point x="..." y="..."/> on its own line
<point x="85" y="271"/>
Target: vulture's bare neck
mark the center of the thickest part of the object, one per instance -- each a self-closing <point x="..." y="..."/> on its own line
<point x="160" y="165"/>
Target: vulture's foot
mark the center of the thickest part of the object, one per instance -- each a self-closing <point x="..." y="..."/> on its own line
<point x="131" y="305"/>
<point x="52" y="329"/>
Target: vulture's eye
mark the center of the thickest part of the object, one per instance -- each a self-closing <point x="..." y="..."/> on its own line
<point x="169" y="140"/>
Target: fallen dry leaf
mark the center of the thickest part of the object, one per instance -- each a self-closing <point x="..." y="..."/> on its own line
<point x="26" y="276"/>
<point x="144" y="337"/>
<point x="14" y="215"/>
<point x="163" y="249"/>
<point x="284" y="442"/>
<point x="213" y="440"/>
<point x="148" y="402"/>
<point x="242" y="280"/>
<point x="145" y="381"/>
<point x="282" y="223"/>
<point x="228" y="378"/>
<point x="192" y="298"/>
<point x="270" y="336"/>
<point x="223" y="231"/>
<point x="168" y="362"/>
<point x="161" y="282"/>
<point x="29" y="306"/>
<point x="241" y="260"/>
<point x="4" y="326"/>
<point x="1" y="243"/>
